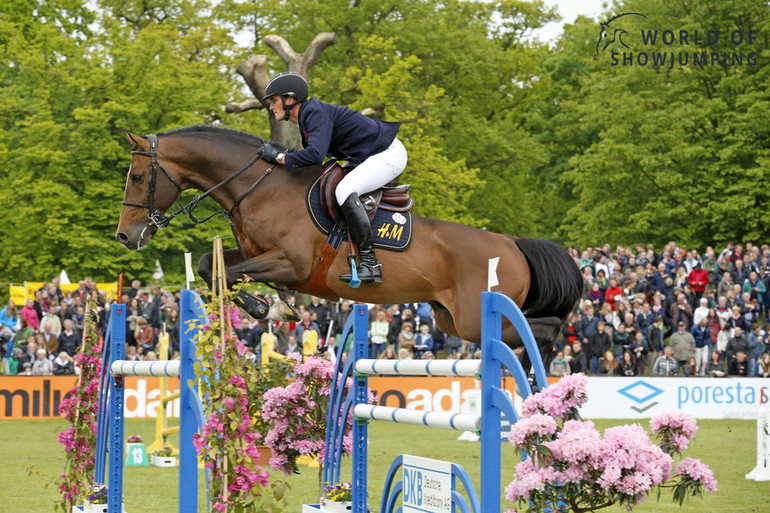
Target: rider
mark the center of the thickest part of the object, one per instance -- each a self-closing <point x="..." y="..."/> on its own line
<point x="343" y="134"/>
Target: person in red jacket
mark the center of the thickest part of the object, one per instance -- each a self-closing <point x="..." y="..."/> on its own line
<point x="698" y="279"/>
<point x="612" y="292"/>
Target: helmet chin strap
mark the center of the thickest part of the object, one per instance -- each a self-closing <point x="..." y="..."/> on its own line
<point x="287" y="108"/>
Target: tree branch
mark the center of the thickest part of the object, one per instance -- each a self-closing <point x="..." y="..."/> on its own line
<point x="282" y="48"/>
<point x="235" y="107"/>
<point x="316" y="47"/>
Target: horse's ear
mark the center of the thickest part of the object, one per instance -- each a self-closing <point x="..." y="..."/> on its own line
<point x="135" y="139"/>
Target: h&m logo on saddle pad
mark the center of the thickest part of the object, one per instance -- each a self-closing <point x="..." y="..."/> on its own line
<point x="392" y="230"/>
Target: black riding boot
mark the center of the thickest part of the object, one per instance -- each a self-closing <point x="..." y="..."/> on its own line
<point x="361" y="233"/>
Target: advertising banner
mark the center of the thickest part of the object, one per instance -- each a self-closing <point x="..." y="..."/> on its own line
<point x="703" y="398"/>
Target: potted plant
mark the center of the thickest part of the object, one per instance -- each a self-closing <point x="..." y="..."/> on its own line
<point x="95" y="499"/>
<point x="135" y="439"/>
<point x="337" y="498"/>
<point x="163" y="458"/>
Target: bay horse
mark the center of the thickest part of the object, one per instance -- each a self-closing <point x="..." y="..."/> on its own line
<point x="445" y="265"/>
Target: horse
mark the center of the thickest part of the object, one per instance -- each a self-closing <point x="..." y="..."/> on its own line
<point x="445" y="265"/>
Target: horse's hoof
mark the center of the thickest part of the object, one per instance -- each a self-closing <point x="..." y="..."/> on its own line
<point x="282" y="311"/>
<point x="255" y="306"/>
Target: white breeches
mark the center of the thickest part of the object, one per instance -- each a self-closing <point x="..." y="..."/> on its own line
<point x="374" y="172"/>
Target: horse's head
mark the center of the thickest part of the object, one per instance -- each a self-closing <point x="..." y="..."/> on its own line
<point x="150" y="190"/>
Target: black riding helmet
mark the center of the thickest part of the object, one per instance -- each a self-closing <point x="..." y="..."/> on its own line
<point x="287" y="84"/>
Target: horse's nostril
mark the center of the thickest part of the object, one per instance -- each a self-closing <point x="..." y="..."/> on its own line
<point x="121" y="237"/>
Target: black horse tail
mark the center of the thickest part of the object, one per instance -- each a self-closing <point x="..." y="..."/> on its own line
<point x="556" y="284"/>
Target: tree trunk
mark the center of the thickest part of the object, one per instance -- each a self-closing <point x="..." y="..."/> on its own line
<point x="253" y="69"/>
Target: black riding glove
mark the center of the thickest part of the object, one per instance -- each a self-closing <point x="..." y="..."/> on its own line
<point x="270" y="153"/>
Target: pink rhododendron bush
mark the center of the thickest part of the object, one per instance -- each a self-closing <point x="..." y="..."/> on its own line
<point x="571" y="467"/>
<point x="229" y="438"/>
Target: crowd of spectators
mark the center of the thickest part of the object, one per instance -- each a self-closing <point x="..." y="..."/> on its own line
<point x="671" y="313"/>
<point x="644" y="313"/>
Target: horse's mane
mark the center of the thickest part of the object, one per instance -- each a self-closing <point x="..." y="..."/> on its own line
<point x="216" y="131"/>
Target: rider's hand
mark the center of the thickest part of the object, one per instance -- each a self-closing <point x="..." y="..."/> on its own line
<point x="270" y="153"/>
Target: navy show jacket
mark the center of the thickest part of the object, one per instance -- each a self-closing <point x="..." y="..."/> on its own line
<point x="338" y="132"/>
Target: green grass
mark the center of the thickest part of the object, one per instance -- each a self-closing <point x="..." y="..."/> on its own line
<point x="728" y="446"/>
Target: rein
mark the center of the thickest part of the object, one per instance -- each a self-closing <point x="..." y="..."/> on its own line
<point x="158" y="218"/>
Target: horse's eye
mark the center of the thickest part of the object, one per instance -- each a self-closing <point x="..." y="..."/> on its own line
<point x="136" y="179"/>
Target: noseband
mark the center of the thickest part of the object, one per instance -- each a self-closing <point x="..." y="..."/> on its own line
<point x="161" y="220"/>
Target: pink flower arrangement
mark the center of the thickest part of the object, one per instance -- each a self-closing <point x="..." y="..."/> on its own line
<point x="229" y="437"/>
<point x="570" y="466"/>
<point x="80" y="408"/>
<point x="298" y="414"/>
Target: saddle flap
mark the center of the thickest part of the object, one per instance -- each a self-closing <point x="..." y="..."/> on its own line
<point x="395" y="199"/>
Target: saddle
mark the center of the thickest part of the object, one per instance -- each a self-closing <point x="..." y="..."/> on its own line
<point x="393" y="199"/>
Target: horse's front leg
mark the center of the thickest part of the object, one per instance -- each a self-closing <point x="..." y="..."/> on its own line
<point x="205" y="264"/>
<point x="272" y="266"/>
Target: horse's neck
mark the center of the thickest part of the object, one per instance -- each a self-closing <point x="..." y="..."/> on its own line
<point x="209" y="165"/>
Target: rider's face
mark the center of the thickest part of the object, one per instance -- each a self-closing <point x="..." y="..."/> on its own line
<point x="276" y="107"/>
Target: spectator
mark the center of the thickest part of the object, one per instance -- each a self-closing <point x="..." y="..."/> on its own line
<point x="423" y="342"/>
<point x="29" y="314"/>
<point x="620" y="342"/>
<point x="608" y="365"/>
<point x="406" y="338"/>
<point x="51" y="321"/>
<point x="756" y="347"/>
<point x="341" y="318"/>
<point x="14" y="362"/>
<point x="702" y="335"/>
<point x="69" y="340"/>
<point x="453" y="344"/>
<point x="698" y="279"/>
<point x="388" y="354"/>
<point x="738" y="366"/>
<point x="438" y="336"/>
<point x="48" y="342"/>
<point x="79" y="320"/>
<point x="378" y="333"/>
<point x="612" y="293"/>
<point x="143" y="333"/>
<point x="690" y="368"/>
<point x="598" y="345"/>
<point x="559" y="367"/>
<point x="292" y="346"/>
<point x="736" y="344"/>
<point x="9" y="317"/>
<point x="726" y="285"/>
<point x="680" y="311"/>
<point x="628" y="365"/>
<point x="588" y="324"/>
<point x="42" y="365"/>
<point x="655" y="345"/>
<point x="404" y="354"/>
<point x="579" y="361"/>
<point x="716" y="366"/>
<point x="666" y="365"/>
<point x="639" y="350"/>
<point x="736" y="320"/>
<point x="682" y="344"/>
<point x="307" y="324"/>
<point x="29" y="356"/>
<point x="763" y="366"/>
<point x="701" y="312"/>
<point x="322" y="313"/>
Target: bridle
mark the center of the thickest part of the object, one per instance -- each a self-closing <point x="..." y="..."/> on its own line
<point x="161" y="220"/>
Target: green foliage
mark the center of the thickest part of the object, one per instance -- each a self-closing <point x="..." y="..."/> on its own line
<point x="659" y="153"/>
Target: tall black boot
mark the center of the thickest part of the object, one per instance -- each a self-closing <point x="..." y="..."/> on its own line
<point x="361" y="233"/>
